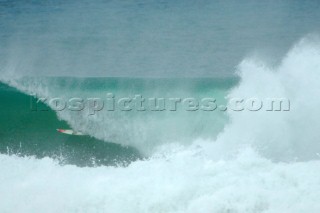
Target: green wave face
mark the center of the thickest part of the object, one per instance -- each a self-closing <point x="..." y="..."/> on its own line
<point x="33" y="133"/>
<point x="126" y="135"/>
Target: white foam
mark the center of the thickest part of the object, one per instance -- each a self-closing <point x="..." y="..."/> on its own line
<point x="182" y="182"/>
<point x="284" y="135"/>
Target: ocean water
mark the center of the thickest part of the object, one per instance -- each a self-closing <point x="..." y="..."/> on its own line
<point x="181" y="160"/>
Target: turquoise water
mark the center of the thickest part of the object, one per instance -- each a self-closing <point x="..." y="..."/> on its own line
<point x="29" y="126"/>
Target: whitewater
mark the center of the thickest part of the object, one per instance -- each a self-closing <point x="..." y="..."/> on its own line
<point x="258" y="162"/>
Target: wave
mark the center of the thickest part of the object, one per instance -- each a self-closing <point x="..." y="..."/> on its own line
<point x="277" y="135"/>
<point x="259" y="158"/>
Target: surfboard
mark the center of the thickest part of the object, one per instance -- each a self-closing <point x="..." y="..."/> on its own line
<point x="69" y="132"/>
